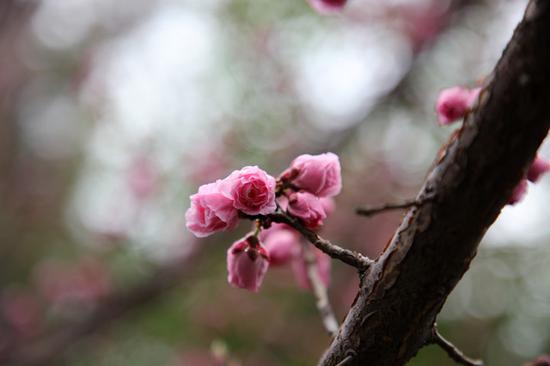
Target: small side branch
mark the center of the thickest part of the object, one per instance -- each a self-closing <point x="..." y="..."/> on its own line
<point x="320" y="291"/>
<point x="347" y="256"/>
<point x="374" y="210"/>
<point x="453" y="352"/>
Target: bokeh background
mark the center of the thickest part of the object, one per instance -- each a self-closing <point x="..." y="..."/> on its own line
<point x="113" y="112"/>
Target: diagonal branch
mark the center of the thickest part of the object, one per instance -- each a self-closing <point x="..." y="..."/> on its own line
<point x="471" y="181"/>
<point x="347" y="256"/>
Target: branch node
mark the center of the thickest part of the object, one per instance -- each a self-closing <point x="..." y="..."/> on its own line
<point x="350" y="355"/>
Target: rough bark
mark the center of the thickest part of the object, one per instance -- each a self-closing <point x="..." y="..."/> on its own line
<point x="402" y="293"/>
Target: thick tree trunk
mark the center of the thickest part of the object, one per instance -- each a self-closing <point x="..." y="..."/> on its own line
<point x="401" y="295"/>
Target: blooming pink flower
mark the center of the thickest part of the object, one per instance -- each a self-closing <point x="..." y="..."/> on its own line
<point x="454" y="103"/>
<point x="317" y="174"/>
<point x="299" y="267"/>
<point x="210" y="211"/>
<point x="539" y="167"/>
<point x="307" y="208"/>
<point x="519" y="192"/>
<point x="327" y="7"/>
<point x="252" y="190"/>
<point x="247" y="263"/>
<point x="282" y="243"/>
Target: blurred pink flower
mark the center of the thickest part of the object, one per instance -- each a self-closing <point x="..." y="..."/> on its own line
<point x="252" y="190"/>
<point x="247" y="263"/>
<point x="308" y="208"/>
<point x="22" y="310"/>
<point x="299" y="267"/>
<point x="519" y="192"/>
<point x="142" y="177"/>
<point x="282" y="244"/>
<point x="317" y="174"/>
<point x="538" y="168"/>
<point x="543" y="360"/>
<point x="65" y="284"/>
<point x="454" y="103"/>
<point x="210" y="211"/>
<point x="327" y="7"/>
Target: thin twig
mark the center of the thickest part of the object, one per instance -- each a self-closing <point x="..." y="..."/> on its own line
<point x="347" y="256"/>
<point x="320" y="291"/>
<point x="453" y="352"/>
<point x="371" y="211"/>
<point x="345" y="361"/>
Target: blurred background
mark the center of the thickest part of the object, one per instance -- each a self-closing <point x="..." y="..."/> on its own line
<point x="113" y="112"/>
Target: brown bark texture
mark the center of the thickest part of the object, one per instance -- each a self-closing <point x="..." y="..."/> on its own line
<point x="402" y="293"/>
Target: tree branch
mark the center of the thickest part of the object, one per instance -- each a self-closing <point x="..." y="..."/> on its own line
<point x="347" y="256"/>
<point x="320" y="292"/>
<point x="454" y="353"/>
<point x="401" y="294"/>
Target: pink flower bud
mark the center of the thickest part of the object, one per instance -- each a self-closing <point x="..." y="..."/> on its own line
<point x="252" y="190"/>
<point x="308" y="208"/>
<point x="210" y="211"/>
<point x="327" y="7"/>
<point x="539" y="167"/>
<point x="519" y="192"/>
<point x="282" y="243"/>
<point x="454" y="103"/>
<point x="317" y="174"/>
<point x="247" y="263"/>
<point x="299" y="267"/>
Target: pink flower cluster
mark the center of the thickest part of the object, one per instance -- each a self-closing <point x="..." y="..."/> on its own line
<point x="304" y="191"/>
<point x="216" y="206"/>
<point x="453" y="103"/>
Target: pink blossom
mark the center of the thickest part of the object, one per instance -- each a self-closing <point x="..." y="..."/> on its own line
<point x="519" y="192"/>
<point x="327" y="7"/>
<point x="537" y="169"/>
<point x="210" y="211"/>
<point x="252" y="190"/>
<point x="317" y="174"/>
<point x="454" y="103"/>
<point x="281" y="242"/>
<point x="247" y="263"/>
<point x="308" y="208"/>
<point x="299" y="267"/>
